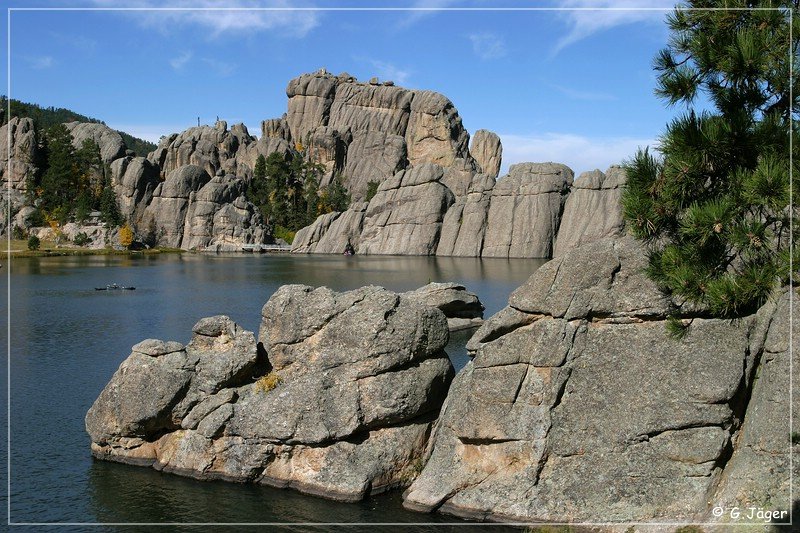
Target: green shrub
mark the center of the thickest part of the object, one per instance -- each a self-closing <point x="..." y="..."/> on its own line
<point x="81" y="239"/>
<point x="34" y="243"/>
<point x="18" y="233"/>
<point x="372" y="189"/>
<point x="286" y="234"/>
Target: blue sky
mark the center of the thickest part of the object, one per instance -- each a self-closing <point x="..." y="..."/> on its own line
<point x="567" y="86"/>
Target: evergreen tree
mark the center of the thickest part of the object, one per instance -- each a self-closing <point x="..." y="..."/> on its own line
<point x="714" y="205"/>
<point x="59" y="183"/>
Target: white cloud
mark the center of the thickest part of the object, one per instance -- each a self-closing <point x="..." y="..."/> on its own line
<point x="221" y="68"/>
<point x="586" y="22"/>
<point x="423" y="9"/>
<point x="487" y="45"/>
<point x="180" y="61"/>
<point x="40" y="62"/>
<point x="578" y="152"/>
<point x="289" y="23"/>
<point x="389" y="71"/>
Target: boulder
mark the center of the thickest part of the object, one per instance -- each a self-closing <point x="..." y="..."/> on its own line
<point x="435" y="133"/>
<point x="110" y="141"/>
<point x="580" y="407"/>
<point x="593" y="209"/>
<point x="405" y="216"/>
<point x="337" y="400"/>
<point x="462" y="308"/>
<point x="24" y="151"/>
<point x="525" y="210"/>
<point x="487" y="151"/>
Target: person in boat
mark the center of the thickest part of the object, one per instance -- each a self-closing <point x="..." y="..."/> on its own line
<point x="349" y="250"/>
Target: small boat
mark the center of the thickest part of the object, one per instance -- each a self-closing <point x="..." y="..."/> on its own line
<point x="115" y="287"/>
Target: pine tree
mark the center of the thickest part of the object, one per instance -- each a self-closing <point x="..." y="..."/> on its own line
<point x="59" y="183"/>
<point x="714" y="204"/>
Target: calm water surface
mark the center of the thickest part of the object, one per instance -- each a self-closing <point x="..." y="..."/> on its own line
<point x="68" y="339"/>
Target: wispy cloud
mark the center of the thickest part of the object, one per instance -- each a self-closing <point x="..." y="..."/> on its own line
<point x="221" y="68"/>
<point x="487" y="45"/>
<point x="389" y="71"/>
<point x="584" y="23"/>
<point x="578" y="152"/>
<point x="40" y="62"/>
<point x="577" y="94"/>
<point x="422" y="9"/>
<point x="180" y="61"/>
<point x="230" y="21"/>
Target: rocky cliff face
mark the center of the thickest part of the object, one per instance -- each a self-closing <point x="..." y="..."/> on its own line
<point x="351" y="383"/>
<point x="593" y="209"/>
<point x="381" y="128"/>
<point x="23" y="152"/>
<point x="110" y="141"/>
<point x="416" y="213"/>
<point x="578" y="406"/>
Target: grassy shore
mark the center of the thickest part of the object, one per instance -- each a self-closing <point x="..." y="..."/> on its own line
<point x="19" y="248"/>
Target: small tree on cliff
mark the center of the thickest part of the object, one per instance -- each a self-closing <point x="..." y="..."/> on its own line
<point x="714" y="206"/>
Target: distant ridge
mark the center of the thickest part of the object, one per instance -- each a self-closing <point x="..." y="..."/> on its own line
<point x="44" y="117"/>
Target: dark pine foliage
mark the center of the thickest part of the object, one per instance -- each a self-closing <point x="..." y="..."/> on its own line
<point x="286" y="189"/>
<point x="714" y="205"/>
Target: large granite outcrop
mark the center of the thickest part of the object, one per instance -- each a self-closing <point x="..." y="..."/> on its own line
<point x="210" y="148"/>
<point x="385" y="128"/>
<point x="220" y="218"/>
<point x="525" y="210"/>
<point x="134" y="180"/>
<point x="193" y="211"/>
<point x="110" y="141"/>
<point x="417" y="213"/>
<point x="405" y="216"/>
<point x="24" y="150"/>
<point x="593" y="209"/>
<point x="351" y="385"/>
<point x="579" y="406"/>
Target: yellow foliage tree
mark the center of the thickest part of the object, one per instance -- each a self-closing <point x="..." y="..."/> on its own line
<point x="125" y="235"/>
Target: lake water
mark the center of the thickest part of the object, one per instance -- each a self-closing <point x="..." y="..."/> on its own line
<point x="66" y="340"/>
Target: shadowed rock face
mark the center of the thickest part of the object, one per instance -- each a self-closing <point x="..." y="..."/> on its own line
<point x="578" y="406"/>
<point x="355" y="381"/>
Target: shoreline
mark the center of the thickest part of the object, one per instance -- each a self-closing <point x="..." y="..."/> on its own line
<point x="16" y="254"/>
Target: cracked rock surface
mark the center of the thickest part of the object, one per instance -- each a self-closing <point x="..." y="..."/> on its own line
<point x="578" y="405"/>
<point x="336" y="398"/>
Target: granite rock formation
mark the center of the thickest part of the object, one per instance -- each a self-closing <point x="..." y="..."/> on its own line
<point x="487" y="151"/>
<point x="24" y="149"/>
<point x="110" y="141"/>
<point x="462" y="308"/>
<point x="405" y="216"/>
<point x="593" y="209"/>
<point x="578" y="405"/>
<point x="351" y="385"/>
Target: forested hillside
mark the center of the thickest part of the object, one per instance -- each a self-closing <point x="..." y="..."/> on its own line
<point x="44" y="117"/>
